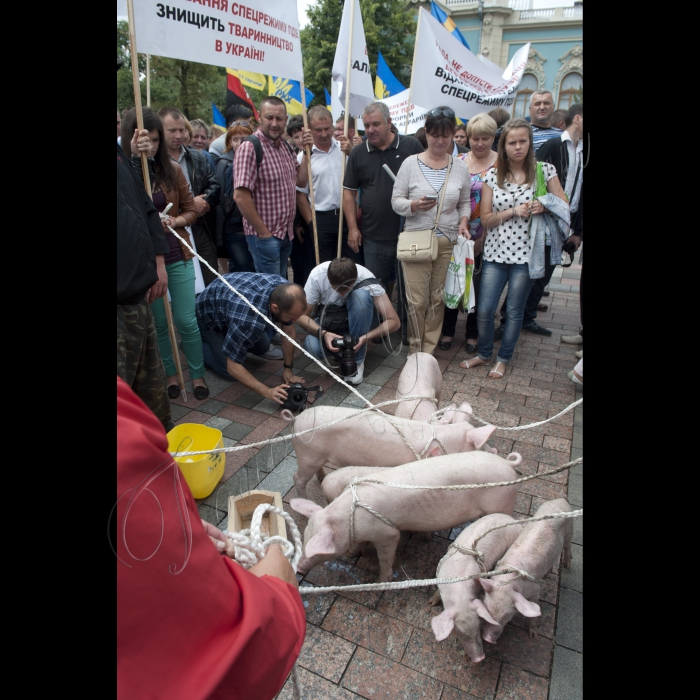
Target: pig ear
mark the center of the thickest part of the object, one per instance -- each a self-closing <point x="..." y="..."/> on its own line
<point x="466" y="407"/>
<point x="443" y="625"/>
<point x="477" y="437"/>
<point x="321" y="543"/>
<point x="482" y="612"/>
<point x="307" y="508"/>
<point x="487" y="584"/>
<point x="524" y="606"/>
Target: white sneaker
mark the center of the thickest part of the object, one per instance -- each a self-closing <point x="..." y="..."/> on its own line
<point x="357" y="377"/>
<point x="272" y="354"/>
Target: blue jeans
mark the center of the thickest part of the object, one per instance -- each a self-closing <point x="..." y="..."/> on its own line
<point x="213" y="349"/>
<point x="239" y="257"/>
<point x="270" y="255"/>
<point x="360" y="307"/>
<point x="494" y="277"/>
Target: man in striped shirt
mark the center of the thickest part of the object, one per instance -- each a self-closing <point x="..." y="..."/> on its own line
<point x="265" y="191"/>
<point x="541" y="113"/>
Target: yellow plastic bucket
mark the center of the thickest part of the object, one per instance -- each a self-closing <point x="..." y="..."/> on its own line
<point x="202" y="472"/>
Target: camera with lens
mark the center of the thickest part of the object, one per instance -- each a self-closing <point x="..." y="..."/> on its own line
<point x="570" y="247"/>
<point x="346" y="345"/>
<point x="298" y="395"/>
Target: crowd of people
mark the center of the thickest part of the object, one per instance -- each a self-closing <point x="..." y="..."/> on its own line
<point x="251" y="200"/>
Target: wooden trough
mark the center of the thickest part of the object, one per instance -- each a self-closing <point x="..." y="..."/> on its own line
<point x="241" y="509"/>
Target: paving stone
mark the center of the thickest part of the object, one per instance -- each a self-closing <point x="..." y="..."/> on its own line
<point x="215" y="383"/>
<point x="212" y="406"/>
<point x="515" y="646"/>
<point x="267" y="406"/>
<point x="381" y="375"/>
<point x="578" y="439"/>
<point x="313" y="686"/>
<point x="210" y="514"/>
<point x="177" y="412"/>
<point x="396" y="361"/>
<point x="218" y="423"/>
<point x="280" y="479"/>
<point x="570" y="620"/>
<point x="248" y="400"/>
<point x="325" y="654"/>
<point x="236" y="431"/>
<point x="367" y="390"/>
<point x="576" y="490"/>
<point x="567" y="675"/>
<point x="375" y="676"/>
<point x="573" y="578"/>
<point x="578" y="530"/>
<point x="333" y="396"/>
<point x="576" y="453"/>
<point x="316" y="606"/>
<point x="266" y="459"/>
<point x="516" y="684"/>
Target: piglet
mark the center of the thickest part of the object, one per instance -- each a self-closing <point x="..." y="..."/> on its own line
<point x="536" y="551"/>
<point x="464" y="609"/>
<point x="420" y="376"/>
<point x="327" y="534"/>
<point x="371" y="439"/>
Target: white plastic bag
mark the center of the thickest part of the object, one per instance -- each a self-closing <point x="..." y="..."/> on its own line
<point x="459" y="287"/>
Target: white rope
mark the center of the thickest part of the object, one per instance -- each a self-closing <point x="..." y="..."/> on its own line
<point x="418" y="583"/>
<point x="267" y="320"/>
<point x="438" y="413"/>
<point x="281" y="438"/>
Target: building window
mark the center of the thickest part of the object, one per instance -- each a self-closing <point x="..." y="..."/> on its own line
<point x="570" y="87"/>
<point x="528" y="85"/>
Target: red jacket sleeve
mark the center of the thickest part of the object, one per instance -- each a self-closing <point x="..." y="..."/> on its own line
<point x="191" y="624"/>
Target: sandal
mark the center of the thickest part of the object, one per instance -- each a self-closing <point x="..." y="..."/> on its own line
<point x="465" y="363"/>
<point x="495" y="371"/>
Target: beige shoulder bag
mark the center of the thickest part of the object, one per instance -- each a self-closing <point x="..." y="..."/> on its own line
<point x="420" y="246"/>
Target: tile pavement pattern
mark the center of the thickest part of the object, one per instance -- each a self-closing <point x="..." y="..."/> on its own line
<point x="381" y="645"/>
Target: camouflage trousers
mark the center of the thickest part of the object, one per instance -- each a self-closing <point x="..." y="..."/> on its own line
<point x="138" y="357"/>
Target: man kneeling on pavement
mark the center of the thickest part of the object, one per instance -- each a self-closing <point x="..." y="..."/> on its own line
<point x="230" y="328"/>
<point x="347" y="296"/>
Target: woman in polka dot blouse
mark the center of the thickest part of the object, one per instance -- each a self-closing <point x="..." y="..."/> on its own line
<point x="507" y="203"/>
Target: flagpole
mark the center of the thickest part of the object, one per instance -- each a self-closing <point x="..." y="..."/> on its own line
<point x="308" y="161"/>
<point x="147" y="178"/>
<point x="346" y="123"/>
<point x="413" y="70"/>
<point x="148" y="79"/>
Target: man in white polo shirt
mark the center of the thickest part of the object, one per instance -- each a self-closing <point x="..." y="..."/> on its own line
<point x="326" y="167"/>
<point x="347" y="294"/>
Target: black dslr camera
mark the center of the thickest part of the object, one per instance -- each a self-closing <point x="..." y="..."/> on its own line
<point x="348" y="364"/>
<point x="298" y="395"/>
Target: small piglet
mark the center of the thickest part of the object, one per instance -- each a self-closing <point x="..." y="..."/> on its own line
<point x="420" y="376"/>
<point x="370" y="439"/>
<point x="536" y="551"/>
<point x="464" y="609"/>
<point x="327" y="534"/>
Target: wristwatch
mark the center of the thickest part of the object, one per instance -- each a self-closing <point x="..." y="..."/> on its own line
<point x="288" y="366"/>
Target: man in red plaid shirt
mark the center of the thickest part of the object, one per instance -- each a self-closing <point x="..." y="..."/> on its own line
<point x="266" y="195"/>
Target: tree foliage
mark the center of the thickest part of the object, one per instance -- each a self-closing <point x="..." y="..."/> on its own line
<point x="190" y="86"/>
<point x="389" y="26"/>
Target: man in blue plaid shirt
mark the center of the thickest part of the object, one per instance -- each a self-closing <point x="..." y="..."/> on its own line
<point x="230" y="328"/>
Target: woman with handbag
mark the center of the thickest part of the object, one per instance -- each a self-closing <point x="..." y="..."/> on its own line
<point x="507" y="203"/>
<point x="170" y="187"/>
<point x="432" y="190"/>
<point x="481" y="130"/>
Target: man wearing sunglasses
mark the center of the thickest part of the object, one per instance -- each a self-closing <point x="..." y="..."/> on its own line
<point x="380" y="223"/>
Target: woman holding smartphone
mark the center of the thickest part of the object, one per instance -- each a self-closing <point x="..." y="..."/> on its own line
<point x="421" y="182"/>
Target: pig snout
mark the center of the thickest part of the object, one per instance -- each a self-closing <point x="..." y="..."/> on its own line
<point x="490" y="633"/>
<point x="478" y="658"/>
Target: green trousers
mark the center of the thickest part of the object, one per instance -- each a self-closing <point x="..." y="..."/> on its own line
<point x="181" y="287"/>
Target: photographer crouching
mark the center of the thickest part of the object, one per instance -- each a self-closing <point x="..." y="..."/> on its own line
<point x="341" y="298"/>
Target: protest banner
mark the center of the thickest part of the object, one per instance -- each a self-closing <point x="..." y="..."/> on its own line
<point x="260" y="36"/>
<point x="451" y="75"/>
<point x="397" y="112"/>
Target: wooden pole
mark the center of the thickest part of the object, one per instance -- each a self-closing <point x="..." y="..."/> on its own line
<point x="308" y="162"/>
<point x="346" y="123"/>
<point x="148" y="79"/>
<point x="147" y="178"/>
<point x="413" y="68"/>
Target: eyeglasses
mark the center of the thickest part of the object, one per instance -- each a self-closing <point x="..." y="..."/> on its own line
<point x="441" y="112"/>
<point x="246" y="123"/>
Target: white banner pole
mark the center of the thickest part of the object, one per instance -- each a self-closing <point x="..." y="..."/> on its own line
<point x="413" y="70"/>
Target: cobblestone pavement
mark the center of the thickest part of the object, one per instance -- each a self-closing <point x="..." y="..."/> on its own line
<point x="381" y="645"/>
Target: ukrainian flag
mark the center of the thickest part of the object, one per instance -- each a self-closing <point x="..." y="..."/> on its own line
<point x="290" y="92"/>
<point x="447" y="22"/>
<point x="328" y="98"/>
<point x="250" y="79"/>
<point x="385" y="83"/>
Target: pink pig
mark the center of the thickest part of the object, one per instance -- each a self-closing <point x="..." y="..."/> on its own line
<point x="464" y="609"/>
<point x="420" y="376"/>
<point x="369" y="439"/>
<point x="536" y="551"/>
<point x="327" y="534"/>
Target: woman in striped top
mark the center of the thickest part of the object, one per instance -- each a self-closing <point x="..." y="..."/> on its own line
<point x="417" y="191"/>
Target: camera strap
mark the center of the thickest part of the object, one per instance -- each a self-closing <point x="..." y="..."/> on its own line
<point x="318" y="389"/>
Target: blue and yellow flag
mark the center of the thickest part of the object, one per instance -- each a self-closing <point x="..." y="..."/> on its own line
<point x="248" y="78"/>
<point x="218" y="118"/>
<point x="328" y="98"/>
<point x="289" y="91"/>
<point x="385" y="84"/>
<point x="447" y="22"/>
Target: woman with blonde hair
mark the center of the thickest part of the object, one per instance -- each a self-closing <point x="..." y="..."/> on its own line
<point x="481" y="130"/>
<point x="429" y="185"/>
<point x="507" y="203"/>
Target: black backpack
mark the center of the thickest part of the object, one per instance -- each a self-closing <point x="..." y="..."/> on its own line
<point x="258" y="148"/>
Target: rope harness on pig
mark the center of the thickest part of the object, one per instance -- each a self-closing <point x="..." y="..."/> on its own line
<point x="455" y="487"/>
<point x="478" y="555"/>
